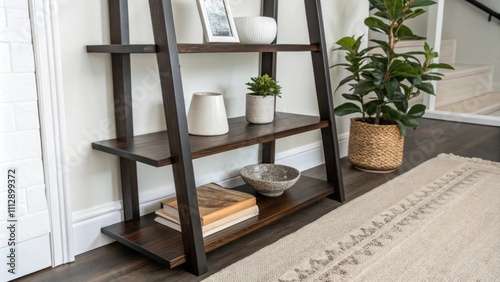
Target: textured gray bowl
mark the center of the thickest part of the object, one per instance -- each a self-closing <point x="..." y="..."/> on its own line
<point x="270" y="180"/>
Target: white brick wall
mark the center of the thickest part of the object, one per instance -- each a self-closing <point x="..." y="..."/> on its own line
<point x="20" y="144"/>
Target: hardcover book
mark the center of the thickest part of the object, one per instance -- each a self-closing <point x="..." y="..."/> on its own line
<point x="213" y="227"/>
<point x="214" y="202"/>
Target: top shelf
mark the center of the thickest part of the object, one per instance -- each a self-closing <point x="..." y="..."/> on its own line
<point x="153" y="148"/>
<point x="203" y="48"/>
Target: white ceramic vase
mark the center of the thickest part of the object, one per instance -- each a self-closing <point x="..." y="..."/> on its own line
<point x="256" y="30"/>
<point x="259" y="109"/>
<point x="207" y="114"/>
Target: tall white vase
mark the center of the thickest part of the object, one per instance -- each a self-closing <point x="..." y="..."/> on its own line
<point x="259" y="109"/>
<point x="207" y="114"/>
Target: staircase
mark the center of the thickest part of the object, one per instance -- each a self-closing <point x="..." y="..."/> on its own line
<point x="467" y="88"/>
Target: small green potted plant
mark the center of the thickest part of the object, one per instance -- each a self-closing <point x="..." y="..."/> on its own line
<point x="382" y="84"/>
<point x="260" y="102"/>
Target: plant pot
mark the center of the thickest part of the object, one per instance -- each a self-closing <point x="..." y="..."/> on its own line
<point x="375" y="148"/>
<point x="256" y="30"/>
<point x="259" y="109"/>
<point x="207" y="114"/>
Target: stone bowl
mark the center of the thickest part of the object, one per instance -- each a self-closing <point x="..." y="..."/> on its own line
<point x="270" y="180"/>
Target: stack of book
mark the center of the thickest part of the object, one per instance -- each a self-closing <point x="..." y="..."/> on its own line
<point x="219" y="208"/>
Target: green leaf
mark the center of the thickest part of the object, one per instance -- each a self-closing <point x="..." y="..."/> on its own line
<point x="351" y="97"/>
<point x="363" y="88"/>
<point x="399" y="96"/>
<point x="378" y="4"/>
<point x="379" y="62"/>
<point x="426" y="87"/>
<point x="346" y="42"/>
<point x="409" y="55"/>
<point x="378" y="78"/>
<point x="390" y="88"/>
<point x="377" y="25"/>
<point x="345" y="80"/>
<point x="426" y="77"/>
<point x="394" y="9"/>
<point x="401" y="105"/>
<point x="404" y="31"/>
<point x="347" y="108"/>
<point x="416" y="111"/>
<point x="441" y="66"/>
<point x="341" y="65"/>
<point x="381" y="43"/>
<point x="410" y="122"/>
<point x="422" y="3"/>
<point x="382" y="15"/>
<point x="402" y="127"/>
<point x="400" y="68"/>
<point x="427" y="48"/>
<point x="414" y="14"/>
<point x="371" y="107"/>
<point x="366" y="50"/>
<point x="390" y="113"/>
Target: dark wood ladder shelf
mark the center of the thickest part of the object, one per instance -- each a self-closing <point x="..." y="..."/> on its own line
<point x="165" y="245"/>
<point x="153" y="148"/>
<point x="177" y="148"/>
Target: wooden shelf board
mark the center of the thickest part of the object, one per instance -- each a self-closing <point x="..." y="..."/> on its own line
<point x="123" y="49"/>
<point x="202" y="48"/>
<point x="165" y="245"/>
<point x="225" y="48"/>
<point x="153" y="148"/>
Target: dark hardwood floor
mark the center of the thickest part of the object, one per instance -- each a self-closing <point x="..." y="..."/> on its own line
<point x="115" y="262"/>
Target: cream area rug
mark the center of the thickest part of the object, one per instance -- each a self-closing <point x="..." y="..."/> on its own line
<point x="438" y="222"/>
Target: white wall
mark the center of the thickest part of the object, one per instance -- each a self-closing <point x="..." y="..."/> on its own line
<point x="20" y="146"/>
<point x="492" y="4"/>
<point x="478" y="40"/>
<point x="94" y="176"/>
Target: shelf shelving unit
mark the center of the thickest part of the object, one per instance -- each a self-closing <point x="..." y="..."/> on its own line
<point x="177" y="148"/>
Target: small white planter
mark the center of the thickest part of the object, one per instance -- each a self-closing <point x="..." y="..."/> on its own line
<point x="256" y="30"/>
<point x="207" y="114"/>
<point x="259" y="109"/>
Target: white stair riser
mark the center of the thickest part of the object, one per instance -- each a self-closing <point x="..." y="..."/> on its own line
<point x="482" y="104"/>
<point x="456" y="88"/>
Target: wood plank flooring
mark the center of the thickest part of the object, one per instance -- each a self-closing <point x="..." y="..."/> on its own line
<point x="115" y="262"/>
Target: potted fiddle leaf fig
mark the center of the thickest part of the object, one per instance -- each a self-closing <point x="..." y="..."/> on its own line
<point x="383" y="81"/>
<point x="260" y="102"/>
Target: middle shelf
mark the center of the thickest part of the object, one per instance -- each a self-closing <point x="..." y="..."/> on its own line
<point x="153" y="148"/>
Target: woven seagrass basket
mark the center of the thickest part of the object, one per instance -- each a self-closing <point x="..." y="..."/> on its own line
<point x="375" y="147"/>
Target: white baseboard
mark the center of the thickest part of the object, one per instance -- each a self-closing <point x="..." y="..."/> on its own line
<point x="464" y="117"/>
<point x="31" y="255"/>
<point x="87" y="233"/>
<point x="87" y="223"/>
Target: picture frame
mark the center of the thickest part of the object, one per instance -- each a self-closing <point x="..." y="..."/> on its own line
<point x="217" y="21"/>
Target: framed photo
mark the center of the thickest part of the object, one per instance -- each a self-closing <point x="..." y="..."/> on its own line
<point x="217" y="21"/>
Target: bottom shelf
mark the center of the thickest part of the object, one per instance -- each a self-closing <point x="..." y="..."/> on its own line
<point x="164" y="245"/>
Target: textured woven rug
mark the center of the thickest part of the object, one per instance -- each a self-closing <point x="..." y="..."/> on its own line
<point x="438" y="222"/>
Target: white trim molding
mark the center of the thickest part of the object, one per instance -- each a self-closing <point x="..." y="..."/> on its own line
<point x="434" y="32"/>
<point x="45" y="29"/>
<point x="464" y="117"/>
